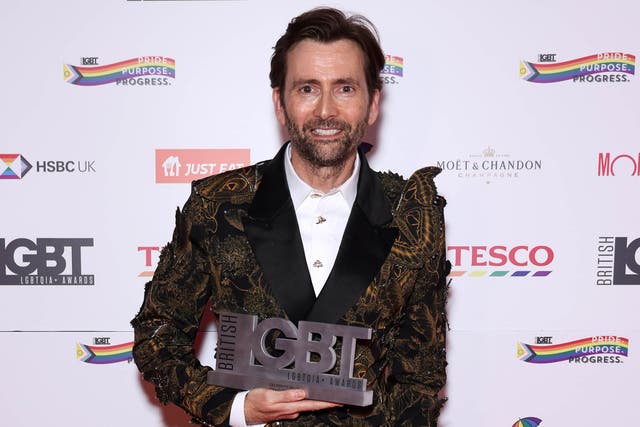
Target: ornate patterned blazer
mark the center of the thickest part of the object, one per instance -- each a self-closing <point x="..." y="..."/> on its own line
<point x="237" y="247"/>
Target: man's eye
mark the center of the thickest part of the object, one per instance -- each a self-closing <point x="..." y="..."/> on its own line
<point x="306" y="89"/>
<point x="346" y="89"/>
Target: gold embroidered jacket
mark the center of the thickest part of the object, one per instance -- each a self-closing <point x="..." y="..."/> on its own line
<point x="236" y="246"/>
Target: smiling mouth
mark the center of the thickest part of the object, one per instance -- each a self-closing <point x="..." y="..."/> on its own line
<point x="325" y="132"/>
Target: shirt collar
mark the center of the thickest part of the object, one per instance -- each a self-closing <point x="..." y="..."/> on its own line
<point x="300" y="190"/>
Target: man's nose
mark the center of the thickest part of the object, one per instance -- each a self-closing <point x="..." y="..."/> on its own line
<point x="326" y="106"/>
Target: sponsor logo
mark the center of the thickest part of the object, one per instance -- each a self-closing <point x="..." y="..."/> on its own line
<point x="141" y="71"/>
<point x="13" y="166"/>
<point x="490" y="165"/>
<point x="547" y="57"/>
<point x="527" y="422"/>
<point x="501" y="261"/>
<point x="597" y="349"/>
<point x="392" y="71"/>
<point x="102" y="353"/>
<point x="16" y="166"/>
<point x="151" y="255"/>
<point x="610" y="67"/>
<point x="624" y="164"/>
<point x="617" y="261"/>
<point x="186" y="165"/>
<point x="43" y="262"/>
<point x="65" y="166"/>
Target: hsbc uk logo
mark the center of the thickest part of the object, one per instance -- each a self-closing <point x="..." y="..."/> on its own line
<point x="16" y="166"/>
<point x="501" y="261"/>
<point x="618" y="261"/>
<point x="13" y="166"/>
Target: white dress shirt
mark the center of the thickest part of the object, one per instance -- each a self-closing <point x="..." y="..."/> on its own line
<point x="322" y="218"/>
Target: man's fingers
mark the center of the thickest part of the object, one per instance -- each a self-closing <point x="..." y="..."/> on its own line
<point x="291" y="410"/>
<point x="264" y="405"/>
<point x="284" y="396"/>
<point x="297" y="398"/>
<point x="312" y="405"/>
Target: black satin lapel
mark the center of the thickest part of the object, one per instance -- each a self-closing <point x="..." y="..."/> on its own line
<point x="365" y="245"/>
<point x="362" y="251"/>
<point x="280" y="253"/>
<point x="272" y="231"/>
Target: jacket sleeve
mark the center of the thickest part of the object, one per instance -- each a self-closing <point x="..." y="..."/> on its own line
<point x="416" y="369"/>
<point x="166" y="326"/>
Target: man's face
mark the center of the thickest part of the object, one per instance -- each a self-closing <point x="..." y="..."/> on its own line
<point x="325" y="104"/>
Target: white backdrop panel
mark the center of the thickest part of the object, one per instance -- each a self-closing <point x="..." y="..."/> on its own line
<point x="459" y="100"/>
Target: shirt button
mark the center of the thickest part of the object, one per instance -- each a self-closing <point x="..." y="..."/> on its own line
<point x="320" y="219"/>
<point x="317" y="263"/>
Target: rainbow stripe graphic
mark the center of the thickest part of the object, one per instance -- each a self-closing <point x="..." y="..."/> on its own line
<point x="104" y="354"/>
<point x="609" y="62"/>
<point x="500" y="273"/>
<point x="527" y="422"/>
<point x="393" y="66"/>
<point x="15" y="166"/>
<point x="154" y="66"/>
<point x="554" y="353"/>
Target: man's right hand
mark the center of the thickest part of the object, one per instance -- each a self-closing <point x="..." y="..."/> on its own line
<point x="262" y="405"/>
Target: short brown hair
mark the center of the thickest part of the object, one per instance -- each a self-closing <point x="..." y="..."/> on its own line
<point x="329" y="25"/>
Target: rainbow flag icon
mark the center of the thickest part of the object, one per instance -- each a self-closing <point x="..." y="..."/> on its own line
<point x="527" y="422"/>
<point x="104" y="354"/>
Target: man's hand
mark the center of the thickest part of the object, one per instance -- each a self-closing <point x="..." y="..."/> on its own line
<point x="262" y="405"/>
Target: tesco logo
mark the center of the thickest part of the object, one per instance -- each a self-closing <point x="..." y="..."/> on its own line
<point x="499" y="256"/>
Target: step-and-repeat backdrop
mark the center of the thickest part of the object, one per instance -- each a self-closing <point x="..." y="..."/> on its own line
<point x="109" y="109"/>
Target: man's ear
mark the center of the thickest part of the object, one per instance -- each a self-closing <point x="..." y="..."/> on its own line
<point x="277" y="105"/>
<point x="373" y="107"/>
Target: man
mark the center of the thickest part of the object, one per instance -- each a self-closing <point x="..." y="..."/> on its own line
<point x="314" y="234"/>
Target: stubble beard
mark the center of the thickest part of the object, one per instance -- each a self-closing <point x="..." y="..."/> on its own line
<point x="332" y="153"/>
